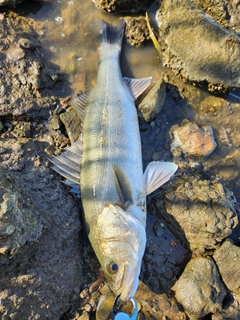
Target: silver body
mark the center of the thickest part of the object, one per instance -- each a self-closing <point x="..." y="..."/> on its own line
<point x="112" y="174"/>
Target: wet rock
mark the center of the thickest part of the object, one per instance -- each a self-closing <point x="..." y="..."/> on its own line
<point x="122" y="5"/>
<point x="20" y="219"/>
<point x="199" y="289"/>
<point x="193" y="140"/>
<point x="153" y="102"/>
<point x="150" y="304"/>
<point x="227" y="258"/>
<point x="197" y="98"/>
<point x="136" y="31"/>
<point x="225" y="12"/>
<point x="205" y="59"/>
<point x="229" y="313"/>
<point x="202" y="212"/>
<point x="72" y="123"/>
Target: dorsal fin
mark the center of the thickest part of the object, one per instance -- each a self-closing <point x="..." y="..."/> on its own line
<point x="137" y="86"/>
<point x="157" y="173"/>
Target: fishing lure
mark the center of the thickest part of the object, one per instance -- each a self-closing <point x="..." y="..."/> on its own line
<point x="122" y="315"/>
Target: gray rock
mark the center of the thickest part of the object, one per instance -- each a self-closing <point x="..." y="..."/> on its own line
<point x="153" y="102"/>
<point x="199" y="289"/>
<point x="227" y="258"/>
<point x="201" y="211"/>
<point x="20" y="219"/>
<point x="196" y="47"/>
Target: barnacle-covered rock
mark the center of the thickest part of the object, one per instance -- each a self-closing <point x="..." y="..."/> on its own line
<point x="122" y="5"/>
<point x="200" y="211"/>
<point x="136" y="31"/>
<point x="227" y="258"/>
<point x="196" y="47"/>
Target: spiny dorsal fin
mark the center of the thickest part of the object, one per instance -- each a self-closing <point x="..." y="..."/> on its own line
<point x="79" y="103"/>
<point x="157" y="173"/>
<point x="137" y="86"/>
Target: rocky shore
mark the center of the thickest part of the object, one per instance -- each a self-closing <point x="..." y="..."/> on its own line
<point x="191" y="267"/>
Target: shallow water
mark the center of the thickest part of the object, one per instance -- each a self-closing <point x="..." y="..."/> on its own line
<point x="71" y="36"/>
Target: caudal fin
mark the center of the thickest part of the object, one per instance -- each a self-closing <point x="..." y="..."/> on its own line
<point x="113" y="35"/>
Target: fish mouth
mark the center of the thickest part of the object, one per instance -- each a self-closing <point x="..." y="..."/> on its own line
<point x="129" y="283"/>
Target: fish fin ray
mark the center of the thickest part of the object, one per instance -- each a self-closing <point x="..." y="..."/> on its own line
<point x="137" y="86"/>
<point x="79" y="103"/>
<point x="157" y="173"/>
<point x="68" y="163"/>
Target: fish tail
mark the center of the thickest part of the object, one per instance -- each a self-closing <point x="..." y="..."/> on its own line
<point x="113" y="35"/>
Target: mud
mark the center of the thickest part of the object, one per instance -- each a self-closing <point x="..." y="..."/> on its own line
<point x="40" y="222"/>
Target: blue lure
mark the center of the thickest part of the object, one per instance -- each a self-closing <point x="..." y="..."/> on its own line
<point x="123" y="315"/>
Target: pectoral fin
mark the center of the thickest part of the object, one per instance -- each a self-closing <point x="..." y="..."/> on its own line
<point x="123" y="187"/>
<point x="137" y="86"/>
<point x="157" y="173"/>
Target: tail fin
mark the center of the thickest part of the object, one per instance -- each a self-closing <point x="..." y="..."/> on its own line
<point x="113" y="35"/>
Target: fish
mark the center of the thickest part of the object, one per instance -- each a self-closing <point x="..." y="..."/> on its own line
<point x="106" y="162"/>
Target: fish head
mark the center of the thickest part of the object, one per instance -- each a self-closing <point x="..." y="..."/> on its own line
<point x="121" y="241"/>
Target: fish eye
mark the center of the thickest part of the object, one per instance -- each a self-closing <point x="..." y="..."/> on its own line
<point x="112" y="267"/>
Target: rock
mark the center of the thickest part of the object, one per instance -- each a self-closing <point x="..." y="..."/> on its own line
<point x="10" y="3"/>
<point x="200" y="211"/>
<point x="193" y="140"/>
<point x="20" y="220"/>
<point x="225" y="12"/>
<point x="122" y="5"/>
<point x="150" y="304"/>
<point x="199" y="289"/>
<point x="205" y="59"/>
<point x="72" y="123"/>
<point x="227" y="258"/>
<point x="153" y="102"/>
<point x="230" y="313"/>
<point x="197" y="98"/>
<point x="136" y="31"/>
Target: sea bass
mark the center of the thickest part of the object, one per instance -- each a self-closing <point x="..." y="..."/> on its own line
<point x="107" y="163"/>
